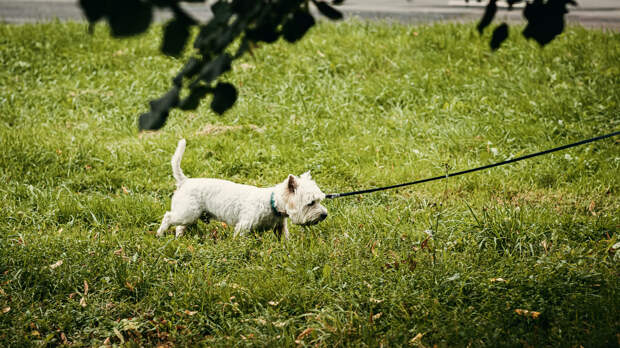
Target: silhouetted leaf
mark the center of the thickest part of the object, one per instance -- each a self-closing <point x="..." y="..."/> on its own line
<point x="191" y="68"/>
<point x="223" y="40"/>
<point x="181" y="15"/>
<point x="297" y="26"/>
<point x="545" y="21"/>
<point x="128" y="17"/>
<point x="176" y="33"/>
<point x="160" y="108"/>
<point x="207" y="34"/>
<point x="287" y="7"/>
<point x="94" y="10"/>
<point x="148" y="121"/>
<point x="218" y="33"/>
<point x="265" y="28"/>
<point x="224" y="97"/>
<point x="244" y="6"/>
<point x="192" y="101"/>
<point x="266" y="33"/>
<point x="168" y="3"/>
<point x="512" y="2"/>
<point x="499" y="35"/>
<point x="162" y="3"/>
<point x="215" y="68"/>
<point x="337" y="2"/>
<point x="327" y="10"/>
<point x="243" y="47"/>
<point x="222" y="11"/>
<point x="487" y="17"/>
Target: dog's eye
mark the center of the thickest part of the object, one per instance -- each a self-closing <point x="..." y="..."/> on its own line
<point x="311" y="203"/>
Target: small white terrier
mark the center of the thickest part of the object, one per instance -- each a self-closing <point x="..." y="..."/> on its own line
<point x="243" y="206"/>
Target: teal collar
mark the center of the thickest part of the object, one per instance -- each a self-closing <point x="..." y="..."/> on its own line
<point x="273" y="206"/>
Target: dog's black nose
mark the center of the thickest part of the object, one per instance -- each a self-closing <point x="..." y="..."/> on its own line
<point x="323" y="216"/>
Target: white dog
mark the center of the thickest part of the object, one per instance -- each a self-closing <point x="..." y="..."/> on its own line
<point x="243" y="206"/>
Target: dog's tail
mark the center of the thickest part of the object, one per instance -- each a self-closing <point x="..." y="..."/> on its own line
<point x="176" y="163"/>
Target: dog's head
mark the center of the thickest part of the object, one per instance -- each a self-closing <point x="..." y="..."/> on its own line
<point x="302" y="198"/>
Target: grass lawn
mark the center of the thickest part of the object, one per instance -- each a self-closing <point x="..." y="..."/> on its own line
<point x="520" y="255"/>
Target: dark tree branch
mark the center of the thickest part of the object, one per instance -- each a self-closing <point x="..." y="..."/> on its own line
<point x="249" y="22"/>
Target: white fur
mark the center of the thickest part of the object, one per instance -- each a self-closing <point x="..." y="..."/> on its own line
<point x="243" y="206"/>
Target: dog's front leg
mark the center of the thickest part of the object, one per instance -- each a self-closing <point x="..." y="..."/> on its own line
<point x="285" y="230"/>
<point x="277" y="230"/>
<point x="281" y="229"/>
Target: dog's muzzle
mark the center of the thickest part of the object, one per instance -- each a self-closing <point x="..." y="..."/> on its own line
<point x="321" y="217"/>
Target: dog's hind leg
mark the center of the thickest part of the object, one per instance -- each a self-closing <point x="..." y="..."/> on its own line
<point x="179" y="231"/>
<point x="174" y="218"/>
<point x="165" y="223"/>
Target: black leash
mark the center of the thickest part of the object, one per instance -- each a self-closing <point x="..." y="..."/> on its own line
<point x="601" y="137"/>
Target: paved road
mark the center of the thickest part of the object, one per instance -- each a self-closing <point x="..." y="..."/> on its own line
<point x="591" y="13"/>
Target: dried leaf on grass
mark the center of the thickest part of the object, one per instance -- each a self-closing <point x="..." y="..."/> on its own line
<point x="304" y="333"/>
<point x="424" y="243"/>
<point x="527" y="313"/>
<point x="372" y="317"/>
<point x="211" y="129"/>
<point x="57" y="264"/>
<point x="279" y="323"/>
<point x="591" y="208"/>
<point x="546" y="245"/>
<point x="149" y="134"/>
<point x="417" y="339"/>
<point x="63" y="337"/>
<point x="373" y="251"/>
<point x="119" y="335"/>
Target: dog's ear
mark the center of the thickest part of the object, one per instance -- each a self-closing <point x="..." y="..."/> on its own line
<point x="291" y="183"/>
<point x="306" y="175"/>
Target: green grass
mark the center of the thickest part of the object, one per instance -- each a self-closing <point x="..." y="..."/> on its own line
<point x="358" y="104"/>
